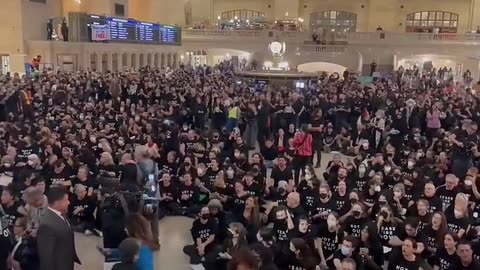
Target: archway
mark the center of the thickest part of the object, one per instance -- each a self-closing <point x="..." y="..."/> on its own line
<point x="316" y="67"/>
<point x="333" y="22"/>
<point x="429" y="20"/>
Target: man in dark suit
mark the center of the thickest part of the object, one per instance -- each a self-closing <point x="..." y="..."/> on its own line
<point x="55" y="239"/>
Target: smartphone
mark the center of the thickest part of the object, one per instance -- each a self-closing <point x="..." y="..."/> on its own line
<point x="151" y="177"/>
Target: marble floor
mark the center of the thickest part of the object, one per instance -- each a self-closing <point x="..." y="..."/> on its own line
<point x="174" y="235"/>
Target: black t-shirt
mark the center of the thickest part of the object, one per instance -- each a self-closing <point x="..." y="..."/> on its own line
<point x="237" y="204"/>
<point x="340" y="201"/>
<point x="353" y="226"/>
<point x="191" y="192"/>
<point x="5" y="247"/>
<point x="400" y="263"/>
<point x="88" y="204"/>
<point x="281" y="231"/>
<point x="309" y="200"/>
<point x="209" y="178"/>
<point x="444" y="260"/>
<point x="455" y="224"/>
<point x="171" y="191"/>
<point x="204" y="230"/>
<point x="431" y="236"/>
<point x="11" y="214"/>
<point x="254" y="189"/>
<point x="387" y="230"/>
<point x="278" y="175"/>
<point x="447" y="196"/>
<point x="474" y="265"/>
<point x="330" y="240"/>
<point x="338" y="255"/>
<point x="435" y="203"/>
<point x="329" y="207"/>
<point x="59" y="178"/>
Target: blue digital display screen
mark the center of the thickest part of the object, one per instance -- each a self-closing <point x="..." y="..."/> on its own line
<point x="121" y="29"/>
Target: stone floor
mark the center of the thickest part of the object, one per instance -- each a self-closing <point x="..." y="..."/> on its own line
<point x="174" y="235"/>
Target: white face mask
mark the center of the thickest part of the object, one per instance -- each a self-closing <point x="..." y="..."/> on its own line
<point x="361" y="170"/>
<point x="236" y="154"/>
<point x="230" y="173"/>
<point x="410" y="164"/>
<point x="365" y="145"/>
<point x="457" y="213"/>
<point x="387" y="169"/>
<point x="31" y="163"/>
<point x="377" y="189"/>
<point x="468" y="183"/>
<point x="308" y="176"/>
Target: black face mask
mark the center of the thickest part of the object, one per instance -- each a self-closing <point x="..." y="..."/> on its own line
<point x="187" y="164"/>
<point x="323" y="195"/>
<point x="353" y="200"/>
<point x="356" y="214"/>
<point x="205" y="216"/>
<point x="384" y="214"/>
<point x="281" y="190"/>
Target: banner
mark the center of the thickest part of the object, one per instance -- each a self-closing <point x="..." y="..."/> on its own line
<point x="100" y="32"/>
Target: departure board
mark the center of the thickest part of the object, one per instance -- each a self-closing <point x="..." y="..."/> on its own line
<point x="170" y="34"/>
<point x="131" y="30"/>
<point x="147" y="32"/>
<point x="122" y="29"/>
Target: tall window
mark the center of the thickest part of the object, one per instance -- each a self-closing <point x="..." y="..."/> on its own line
<point x="119" y="10"/>
<point x="336" y="21"/>
<point x="242" y="14"/>
<point x="427" y="21"/>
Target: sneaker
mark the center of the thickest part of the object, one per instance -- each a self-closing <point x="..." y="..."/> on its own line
<point x="88" y="232"/>
<point x="98" y="232"/>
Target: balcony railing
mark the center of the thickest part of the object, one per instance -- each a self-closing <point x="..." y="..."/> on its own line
<point x="323" y="48"/>
<point x="375" y="37"/>
<point x="242" y="34"/>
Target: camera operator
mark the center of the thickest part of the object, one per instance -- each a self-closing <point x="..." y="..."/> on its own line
<point x="465" y="143"/>
<point x="147" y="176"/>
<point x="128" y="171"/>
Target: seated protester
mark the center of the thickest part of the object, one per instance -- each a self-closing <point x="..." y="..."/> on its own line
<point x="348" y="249"/>
<point x="332" y="167"/>
<point x="188" y="197"/>
<point x="169" y="196"/>
<point x="328" y="239"/>
<point x="62" y="175"/>
<point x="384" y="199"/>
<point x="107" y="167"/>
<point x="448" y="192"/>
<point x="410" y="230"/>
<point x="370" y="248"/>
<point x="420" y="211"/>
<point x="340" y="197"/>
<point x="129" y="249"/>
<point x="211" y="174"/>
<point x="251" y="218"/>
<point x="81" y="211"/>
<point x="342" y="175"/>
<point x="457" y="216"/>
<point x="372" y="190"/>
<point x="265" y="257"/>
<point x="293" y="205"/>
<point x="128" y="172"/>
<point x="309" y="193"/>
<point x="434" y="202"/>
<point x="259" y="172"/>
<point x="465" y="254"/>
<point x="446" y="255"/>
<point x="186" y="167"/>
<point x="217" y="212"/>
<point x="202" y="181"/>
<point x="400" y="203"/>
<point x="297" y="256"/>
<point x="269" y="152"/>
<point x="170" y="166"/>
<point x="11" y="207"/>
<point x="237" y="200"/>
<point x="388" y="226"/>
<point x="203" y="232"/>
<point x="303" y="230"/>
<point x="324" y="206"/>
<point x="230" y="173"/>
<point x="277" y="194"/>
<point x="407" y="258"/>
<point x="251" y="187"/>
<point x="349" y="264"/>
<point x="354" y="220"/>
<point x="235" y="241"/>
<point x="361" y="177"/>
<point x="84" y="178"/>
<point x="281" y="172"/>
<point x="395" y="178"/>
<point x="221" y="190"/>
<point x="282" y="226"/>
<point x="353" y="198"/>
<point x="435" y="231"/>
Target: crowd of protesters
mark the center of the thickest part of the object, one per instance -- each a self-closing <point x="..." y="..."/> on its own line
<point x="399" y="191"/>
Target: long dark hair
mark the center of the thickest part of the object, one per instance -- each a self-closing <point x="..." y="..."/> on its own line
<point x="138" y="227"/>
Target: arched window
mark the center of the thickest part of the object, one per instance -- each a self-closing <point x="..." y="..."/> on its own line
<point x="243" y="15"/>
<point x="427" y="21"/>
<point x="340" y="22"/>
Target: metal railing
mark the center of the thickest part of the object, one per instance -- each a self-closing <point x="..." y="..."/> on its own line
<point x="324" y="48"/>
<point x="254" y="34"/>
<point x="360" y="37"/>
